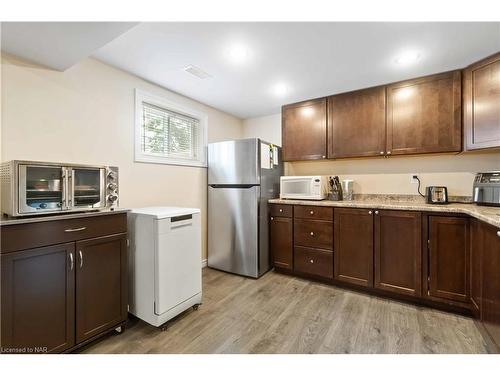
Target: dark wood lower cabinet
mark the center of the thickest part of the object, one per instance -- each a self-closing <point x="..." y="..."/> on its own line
<point x="353" y="250"/>
<point x="449" y="258"/>
<point x="476" y="251"/>
<point x="490" y="300"/>
<point x="281" y="237"/>
<point x="38" y="300"/>
<point x="315" y="262"/>
<point x="59" y="296"/>
<point x="398" y="251"/>
<point x="101" y="285"/>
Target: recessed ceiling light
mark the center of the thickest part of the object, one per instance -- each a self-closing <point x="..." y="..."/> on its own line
<point x="280" y="89"/>
<point x="407" y="58"/>
<point x="238" y="53"/>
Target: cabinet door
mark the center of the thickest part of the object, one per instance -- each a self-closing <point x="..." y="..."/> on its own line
<point x="356" y="123"/>
<point x="482" y="103"/>
<point x="476" y="247"/>
<point x="490" y="307"/>
<point x="101" y="285"/>
<point x="304" y="130"/>
<point x="449" y="258"/>
<point x="353" y="251"/>
<point x="281" y="242"/>
<point x="424" y="115"/>
<point x="38" y="299"/>
<point x="398" y="250"/>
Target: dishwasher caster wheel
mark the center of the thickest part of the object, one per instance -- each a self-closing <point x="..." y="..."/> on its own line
<point x="120" y="329"/>
<point x="195" y="307"/>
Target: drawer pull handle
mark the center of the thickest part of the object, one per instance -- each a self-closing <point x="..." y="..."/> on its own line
<point x="281" y="210"/>
<point x="376" y="212"/>
<point x="370" y="212"/>
<point x="311" y="212"/>
<point x="312" y="261"/>
<point x="272" y="218"/>
<point x="498" y="233"/>
<point x="75" y="229"/>
<point x="312" y="233"/>
<point x="81" y="258"/>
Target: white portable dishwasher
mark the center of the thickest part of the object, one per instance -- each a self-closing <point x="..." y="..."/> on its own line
<point x="164" y="262"/>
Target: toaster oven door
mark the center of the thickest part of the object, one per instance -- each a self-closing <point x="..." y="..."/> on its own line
<point x="87" y="188"/>
<point x="41" y="189"/>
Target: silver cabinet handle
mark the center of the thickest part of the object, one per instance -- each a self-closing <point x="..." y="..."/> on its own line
<point x="281" y="210"/>
<point x="75" y="229"/>
<point x="376" y="212"/>
<point x="311" y="212"/>
<point x="312" y="261"/>
<point x="381" y="152"/>
<point x="312" y="233"/>
<point x="498" y="233"/>
<point x="81" y="258"/>
<point x="388" y="152"/>
<point x="71" y="262"/>
<point x="370" y="212"/>
<point x="272" y="218"/>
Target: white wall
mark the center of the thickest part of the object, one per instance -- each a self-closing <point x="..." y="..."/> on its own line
<point x="267" y="127"/>
<point x="86" y="115"/>
<point x="386" y="176"/>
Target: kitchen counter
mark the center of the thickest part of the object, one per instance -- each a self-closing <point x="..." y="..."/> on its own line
<point x="490" y="215"/>
<point x="5" y="220"/>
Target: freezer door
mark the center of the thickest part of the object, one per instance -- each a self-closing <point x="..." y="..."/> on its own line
<point x="234" y="162"/>
<point x="233" y="229"/>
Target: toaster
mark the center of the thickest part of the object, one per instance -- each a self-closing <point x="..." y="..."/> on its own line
<point x="436" y="194"/>
<point x="486" y="189"/>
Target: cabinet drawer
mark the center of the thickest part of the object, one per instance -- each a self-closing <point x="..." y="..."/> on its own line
<point x="313" y="261"/>
<point x="313" y="233"/>
<point x="283" y="210"/>
<point x="26" y="236"/>
<point x="314" y="212"/>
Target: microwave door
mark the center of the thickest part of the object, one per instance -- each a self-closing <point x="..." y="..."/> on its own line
<point x="41" y="188"/>
<point x="87" y="188"/>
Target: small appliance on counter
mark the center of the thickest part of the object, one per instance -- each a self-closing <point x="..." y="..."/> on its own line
<point x="436" y="195"/>
<point x="303" y="187"/>
<point x="164" y="262"/>
<point x="486" y="189"/>
<point x="39" y="188"/>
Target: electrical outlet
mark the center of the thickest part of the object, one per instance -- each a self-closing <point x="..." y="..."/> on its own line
<point x="413" y="178"/>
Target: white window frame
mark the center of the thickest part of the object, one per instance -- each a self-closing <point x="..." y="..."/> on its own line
<point x="140" y="156"/>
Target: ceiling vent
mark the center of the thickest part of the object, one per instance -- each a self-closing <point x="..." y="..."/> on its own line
<point x="197" y="72"/>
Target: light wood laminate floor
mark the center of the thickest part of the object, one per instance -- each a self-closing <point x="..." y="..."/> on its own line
<point x="284" y="314"/>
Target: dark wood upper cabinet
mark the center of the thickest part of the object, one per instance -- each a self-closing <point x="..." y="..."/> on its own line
<point x="101" y="285"/>
<point x="356" y="123"/>
<point x="481" y="104"/>
<point x="398" y="251"/>
<point x="304" y="130"/>
<point x="38" y="299"/>
<point x="353" y="249"/>
<point x="449" y="258"/>
<point x="424" y="115"/>
<point x="490" y="301"/>
<point x="281" y="237"/>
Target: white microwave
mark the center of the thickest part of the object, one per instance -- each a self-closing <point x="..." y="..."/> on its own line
<point x="303" y="187"/>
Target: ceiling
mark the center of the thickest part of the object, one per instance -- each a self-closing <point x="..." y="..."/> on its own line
<point x="308" y="59"/>
<point x="58" y="45"/>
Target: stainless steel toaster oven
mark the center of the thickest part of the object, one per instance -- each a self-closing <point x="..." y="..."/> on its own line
<point x="35" y="188"/>
<point x="486" y="190"/>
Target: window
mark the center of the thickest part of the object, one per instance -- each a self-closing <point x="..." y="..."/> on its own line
<point x="168" y="133"/>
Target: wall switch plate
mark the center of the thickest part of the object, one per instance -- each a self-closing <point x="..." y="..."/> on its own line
<point x="413" y="178"/>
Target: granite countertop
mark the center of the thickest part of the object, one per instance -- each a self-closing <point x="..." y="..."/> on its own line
<point x="490" y="215"/>
<point x="5" y="220"/>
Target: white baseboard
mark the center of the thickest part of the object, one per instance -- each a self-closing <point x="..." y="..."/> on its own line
<point x="204" y="263"/>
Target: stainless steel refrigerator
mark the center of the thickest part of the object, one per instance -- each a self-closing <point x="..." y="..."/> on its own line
<point x="242" y="176"/>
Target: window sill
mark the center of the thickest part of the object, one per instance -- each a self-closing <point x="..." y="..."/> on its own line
<point x="169" y="161"/>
